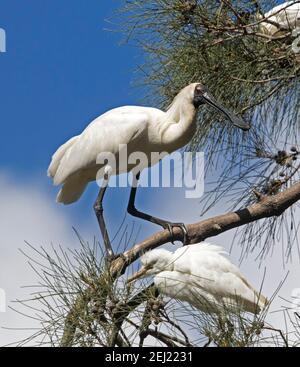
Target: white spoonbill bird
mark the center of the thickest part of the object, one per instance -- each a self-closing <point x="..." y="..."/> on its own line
<point x="140" y="129"/>
<point x="283" y="17"/>
<point x="201" y="275"/>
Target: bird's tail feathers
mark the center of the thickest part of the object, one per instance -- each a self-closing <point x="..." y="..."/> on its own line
<point x="71" y="190"/>
<point x="262" y="302"/>
<point x="239" y="303"/>
<point x="259" y="303"/>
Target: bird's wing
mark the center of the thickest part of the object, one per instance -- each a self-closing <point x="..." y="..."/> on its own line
<point x="281" y="11"/>
<point x="181" y="286"/>
<point x="286" y="14"/>
<point x="105" y="134"/>
<point x="210" y="270"/>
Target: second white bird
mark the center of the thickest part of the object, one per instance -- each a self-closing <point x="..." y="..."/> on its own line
<point x="201" y="275"/>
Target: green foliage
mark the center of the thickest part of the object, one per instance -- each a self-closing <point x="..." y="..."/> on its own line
<point x="76" y="303"/>
<point x="220" y="44"/>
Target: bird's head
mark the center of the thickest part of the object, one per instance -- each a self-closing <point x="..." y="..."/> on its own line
<point x="153" y="262"/>
<point x="200" y="95"/>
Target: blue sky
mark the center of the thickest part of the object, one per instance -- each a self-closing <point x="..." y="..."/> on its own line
<point x="60" y="71"/>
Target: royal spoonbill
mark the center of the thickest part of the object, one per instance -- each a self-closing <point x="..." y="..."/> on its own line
<point x="140" y="129"/>
<point x="283" y="17"/>
<point x="201" y="275"/>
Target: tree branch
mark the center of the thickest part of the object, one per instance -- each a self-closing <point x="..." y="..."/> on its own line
<point x="268" y="206"/>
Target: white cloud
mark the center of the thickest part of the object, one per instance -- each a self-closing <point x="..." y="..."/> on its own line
<point x="26" y="213"/>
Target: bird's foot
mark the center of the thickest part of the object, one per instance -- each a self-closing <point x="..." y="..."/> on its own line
<point x="169" y="226"/>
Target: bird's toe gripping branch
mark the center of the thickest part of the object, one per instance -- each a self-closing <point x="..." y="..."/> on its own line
<point x="169" y="226"/>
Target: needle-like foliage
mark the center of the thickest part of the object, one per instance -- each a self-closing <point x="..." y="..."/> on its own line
<point x="224" y="45"/>
<point x="77" y="303"/>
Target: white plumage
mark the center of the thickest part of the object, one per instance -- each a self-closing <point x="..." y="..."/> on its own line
<point x="141" y="129"/>
<point x="201" y="275"/>
<point x="287" y="15"/>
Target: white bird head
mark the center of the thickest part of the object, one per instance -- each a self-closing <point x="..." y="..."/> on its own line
<point x="153" y="262"/>
<point x="198" y="94"/>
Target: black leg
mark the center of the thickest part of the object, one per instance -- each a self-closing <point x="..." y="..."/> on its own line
<point x="163" y="223"/>
<point x="98" y="208"/>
